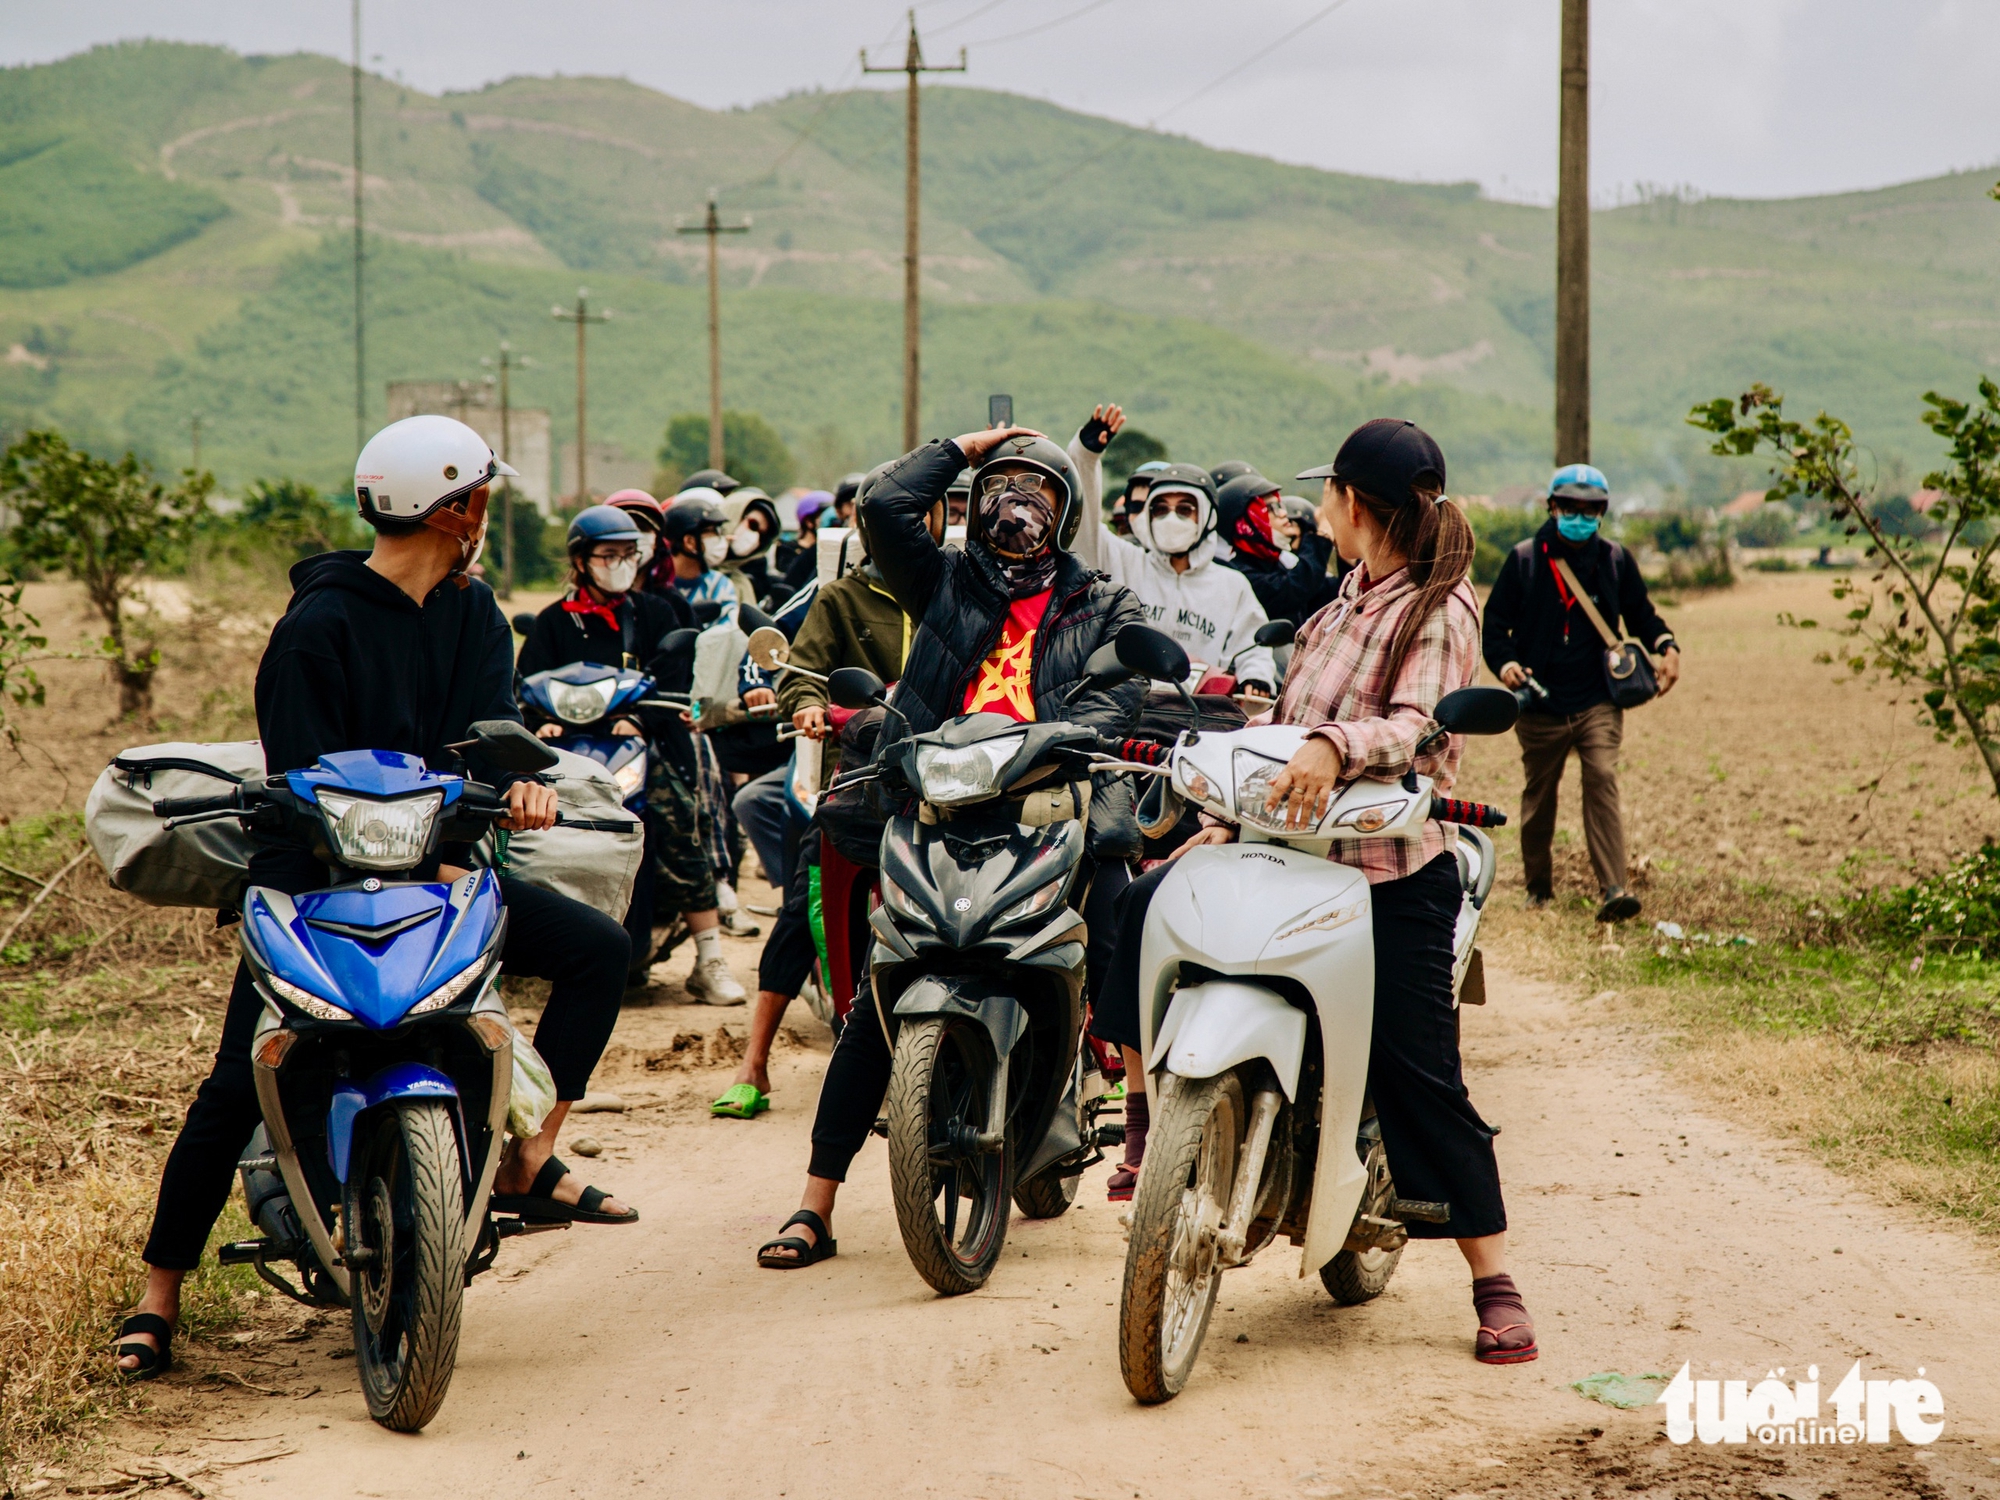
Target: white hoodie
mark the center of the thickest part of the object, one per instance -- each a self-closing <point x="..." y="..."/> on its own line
<point x="1210" y="610"/>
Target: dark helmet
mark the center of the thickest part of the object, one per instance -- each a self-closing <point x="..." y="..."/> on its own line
<point x="710" y="479"/>
<point x="850" y="487"/>
<point x="691" y="516"/>
<point x="601" y="523"/>
<point x="1048" y="458"/>
<point x="1301" y="510"/>
<point x="961" y="487"/>
<point x="1222" y="473"/>
<point x="1233" y="497"/>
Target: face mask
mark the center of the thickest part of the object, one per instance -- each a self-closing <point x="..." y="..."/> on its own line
<point x="715" y="549"/>
<point x="1174" y="534"/>
<point x="1576" y="528"/>
<point x="645" y="548"/>
<point x="614" y="577"/>
<point x="745" y="541"/>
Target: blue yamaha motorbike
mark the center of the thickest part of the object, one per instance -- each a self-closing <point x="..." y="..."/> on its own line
<point x="384" y="1059"/>
<point x="586" y="700"/>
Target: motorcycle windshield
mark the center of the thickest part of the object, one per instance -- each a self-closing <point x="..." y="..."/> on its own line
<point x="375" y="953"/>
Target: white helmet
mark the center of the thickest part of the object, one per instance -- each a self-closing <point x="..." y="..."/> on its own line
<point x="413" y="469"/>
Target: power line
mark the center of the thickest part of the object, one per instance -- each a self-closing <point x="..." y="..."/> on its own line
<point x="1015" y="36"/>
<point x="1297" y="31"/>
<point x="971" y="15"/>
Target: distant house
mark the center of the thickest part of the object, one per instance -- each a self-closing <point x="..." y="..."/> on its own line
<point x="1746" y="504"/>
<point x="1921" y="501"/>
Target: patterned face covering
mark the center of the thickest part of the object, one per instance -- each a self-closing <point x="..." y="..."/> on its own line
<point x="1016" y="520"/>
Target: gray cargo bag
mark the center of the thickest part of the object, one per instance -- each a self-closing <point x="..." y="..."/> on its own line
<point x="202" y="864"/>
<point x="585" y="864"/>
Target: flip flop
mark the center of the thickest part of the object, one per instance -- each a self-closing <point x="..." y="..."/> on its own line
<point x="539" y="1202"/>
<point x="152" y="1361"/>
<point x="741" y="1101"/>
<point x="1489" y="1350"/>
<point x="822" y="1248"/>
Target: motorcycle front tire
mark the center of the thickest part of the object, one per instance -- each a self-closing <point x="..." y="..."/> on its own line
<point x="951" y="1202"/>
<point x="1171" y="1276"/>
<point x="404" y="1216"/>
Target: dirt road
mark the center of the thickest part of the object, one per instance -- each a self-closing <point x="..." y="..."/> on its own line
<point x="658" y="1360"/>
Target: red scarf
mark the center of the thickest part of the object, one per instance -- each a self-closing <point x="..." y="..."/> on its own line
<point x="1253" y="533"/>
<point x="585" y="606"/>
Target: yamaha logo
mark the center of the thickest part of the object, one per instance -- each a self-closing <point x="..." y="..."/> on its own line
<point x="963" y="903"/>
<point x="371" y="884"/>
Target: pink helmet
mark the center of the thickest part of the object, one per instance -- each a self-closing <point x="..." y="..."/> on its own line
<point x="640" y="504"/>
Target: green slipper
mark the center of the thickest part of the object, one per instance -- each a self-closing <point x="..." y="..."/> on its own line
<point x="741" y="1101"/>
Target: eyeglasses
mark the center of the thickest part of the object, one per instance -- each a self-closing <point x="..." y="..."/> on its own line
<point x="1574" y="506"/>
<point x="615" y="553"/>
<point x="1029" y="486"/>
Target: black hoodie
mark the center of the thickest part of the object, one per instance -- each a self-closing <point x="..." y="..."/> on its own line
<point x="355" y="663"/>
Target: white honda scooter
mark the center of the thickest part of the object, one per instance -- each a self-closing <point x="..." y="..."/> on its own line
<point x="1256" y="995"/>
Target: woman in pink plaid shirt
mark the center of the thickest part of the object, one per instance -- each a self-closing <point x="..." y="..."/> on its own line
<point x="1365" y="675"/>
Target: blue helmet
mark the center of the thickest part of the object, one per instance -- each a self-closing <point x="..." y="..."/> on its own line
<point x="1579" y="482"/>
<point x="601" y="523"/>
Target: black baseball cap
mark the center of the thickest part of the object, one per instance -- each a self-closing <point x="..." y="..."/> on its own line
<point x="1386" y="458"/>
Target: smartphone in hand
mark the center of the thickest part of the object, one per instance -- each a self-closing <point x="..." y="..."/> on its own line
<point x="999" y="411"/>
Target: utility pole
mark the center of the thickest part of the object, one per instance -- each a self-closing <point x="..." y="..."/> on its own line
<point x="713" y="226"/>
<point x="360" y="363"/>
<point x="583" y="317"/>
<point x="508" y="361"/>
<point x="1573" y="241"/>
<point x="912" y="64"/>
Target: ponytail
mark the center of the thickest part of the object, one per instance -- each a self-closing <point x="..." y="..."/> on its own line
<point x="1432" y="532"/>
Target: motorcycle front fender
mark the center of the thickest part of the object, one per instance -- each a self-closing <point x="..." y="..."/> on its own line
<point x="402" y="1080"/>
<point x="1212" y="1027"/>
<point x="1003" y="1017"/>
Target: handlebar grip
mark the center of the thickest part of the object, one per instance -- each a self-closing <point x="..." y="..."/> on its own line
<point x="600" y="825"/>
<point x="184" y="807"/>
<point x="1145" y="752"/>
<point x="1471" y="814"/>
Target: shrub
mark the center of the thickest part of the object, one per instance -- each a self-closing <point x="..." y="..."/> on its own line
<point x="1768" y="526"/>
<point x="751" y="448"/>
<point x="1957" y="909"/>
<point x="1495" y="530"/>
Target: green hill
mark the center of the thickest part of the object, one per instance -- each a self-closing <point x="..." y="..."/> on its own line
<point x="174" y="242"/>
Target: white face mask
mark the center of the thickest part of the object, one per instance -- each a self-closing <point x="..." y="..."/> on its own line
<point x="645" y="548"/>
<point x="614" y="577"/>
<point x="1174" y="534"/>
<point x="715" y="549"/>
<point x="745" y="541"/>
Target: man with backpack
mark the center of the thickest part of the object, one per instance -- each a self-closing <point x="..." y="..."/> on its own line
<point x="1552" y="634"/>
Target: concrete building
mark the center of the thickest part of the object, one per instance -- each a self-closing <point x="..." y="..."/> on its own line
<point x="610" y="469"/>
<point x="477" y="404"/>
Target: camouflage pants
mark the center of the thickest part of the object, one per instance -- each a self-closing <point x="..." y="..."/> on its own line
<point x="685" y="878"/>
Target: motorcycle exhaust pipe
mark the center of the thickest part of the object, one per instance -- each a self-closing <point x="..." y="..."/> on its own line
<point x="1235" y="1229"/>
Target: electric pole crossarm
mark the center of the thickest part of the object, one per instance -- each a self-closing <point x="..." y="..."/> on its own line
<point x="712" y="226"/>
<point x="913" y="64"/>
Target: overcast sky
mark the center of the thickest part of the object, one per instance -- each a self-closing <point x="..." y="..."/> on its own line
<point x="1756" y="97"/>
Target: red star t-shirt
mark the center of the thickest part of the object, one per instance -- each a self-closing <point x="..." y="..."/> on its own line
<point x="1005" y="680"/>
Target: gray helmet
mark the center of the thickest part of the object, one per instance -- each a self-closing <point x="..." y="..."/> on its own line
<point x="1050" y="459"/>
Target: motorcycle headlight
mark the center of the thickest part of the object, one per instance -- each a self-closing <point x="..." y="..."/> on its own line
<point x="307" y="1001"/>
<point x="1254" y="777"/>
<point x="1033" y="904"/>
<point x="965" y="773"/>
<point x="631" y="777"/>
<point x="368" y="834"/>
<point x="581" y="702"/>
<point x="450" y="990"/>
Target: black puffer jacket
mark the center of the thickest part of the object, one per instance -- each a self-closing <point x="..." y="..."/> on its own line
<point x="960" y="601"/>
<point x="1295" y="593"/>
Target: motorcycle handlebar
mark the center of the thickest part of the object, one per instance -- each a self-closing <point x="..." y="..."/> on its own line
<point x="1471" y="814"/>
<point x="187" y="807"/>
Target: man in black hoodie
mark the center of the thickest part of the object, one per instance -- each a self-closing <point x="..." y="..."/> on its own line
<point x="394" y="649"/>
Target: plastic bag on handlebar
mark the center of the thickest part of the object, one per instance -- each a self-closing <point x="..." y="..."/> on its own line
<point x="200" y="864"/>
<point x="586" y="865"/>
<point x="534" y="1089"/>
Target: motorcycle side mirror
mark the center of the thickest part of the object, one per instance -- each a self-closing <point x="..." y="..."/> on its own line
<point x="1104" y="669"/>
<point x="750" y="618"/>
<point x="506" y="746"/>
<point x="706" y="613"/>
<point x="1477" y="710"/>
<point x="853" y="687"/>
<point x="768" y="647"/>
<point x="1151" y="653"/>
<point x="675" y="649"/>
<point x="523" y="623"/>
<point x="1276" y="633"/>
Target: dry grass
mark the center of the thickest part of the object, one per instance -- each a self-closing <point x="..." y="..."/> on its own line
<point x="1759" y="795"/>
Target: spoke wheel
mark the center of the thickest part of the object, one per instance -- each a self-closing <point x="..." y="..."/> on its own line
<point x="951" y="1197"/>
<point x="404" y="1214"/>
<point x="1171" y="1275"/>
<point x="1355" y="1276"/>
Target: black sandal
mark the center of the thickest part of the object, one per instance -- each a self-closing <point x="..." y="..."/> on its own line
<point x="540" y="1202"/>
<point x="152" y="1361"/>
<point x="823" y="1247"/>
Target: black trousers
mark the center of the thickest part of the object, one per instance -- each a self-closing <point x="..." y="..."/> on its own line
<point x="582" y="951"/>
<point x="857" y="1077"/>
<point x="1440" y="1150"/>
<point x="790" y="953"/>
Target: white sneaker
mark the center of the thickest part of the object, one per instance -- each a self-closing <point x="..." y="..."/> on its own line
<point x="713" y="984"/>
<point x="737" y="924"/>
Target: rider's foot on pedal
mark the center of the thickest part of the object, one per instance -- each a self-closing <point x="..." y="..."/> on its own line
<point x="711" y="983"/>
